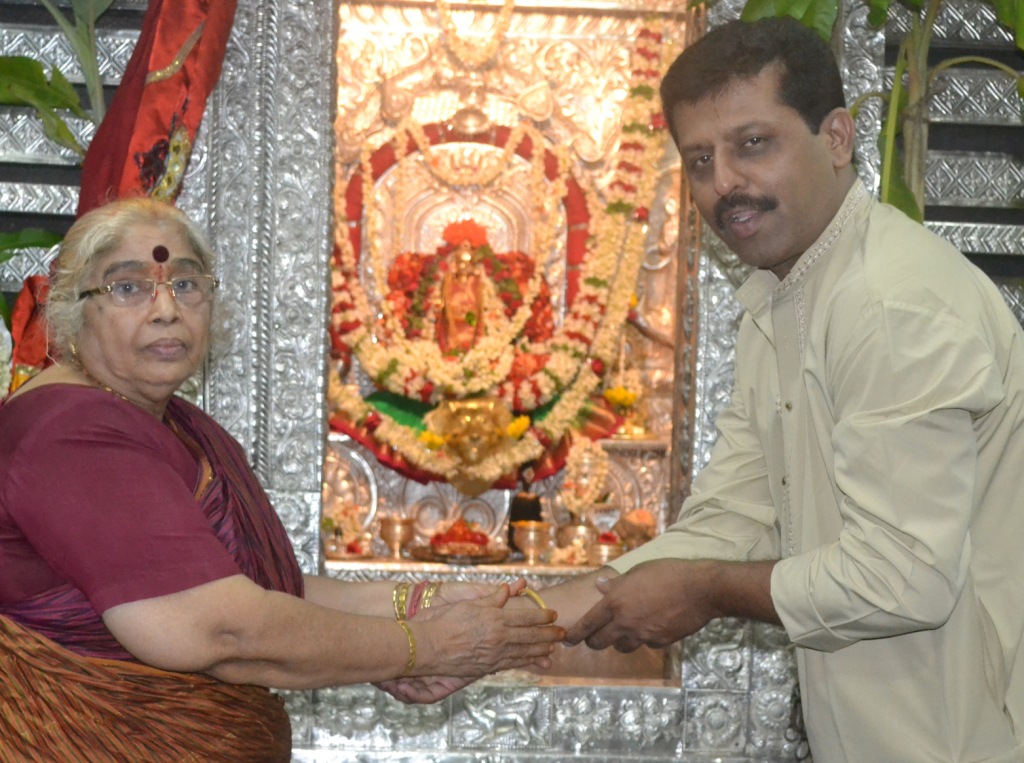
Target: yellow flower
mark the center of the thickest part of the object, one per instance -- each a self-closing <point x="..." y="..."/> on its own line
<point x="620" y="397"/>
<point x="431" y="441"/>
<point x="518" y="427"/>
<point x="633" y="301"/>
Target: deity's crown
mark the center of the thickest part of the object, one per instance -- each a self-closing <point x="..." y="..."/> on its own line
<point x="465" y="231"/>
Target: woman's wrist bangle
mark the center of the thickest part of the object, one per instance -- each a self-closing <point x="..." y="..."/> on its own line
<point x="400" y="599"/>
<point x="416" y="599"/>
<point x="412" y="649"/>
<point x="429" y="594"/>
<point x="530" y="593"/>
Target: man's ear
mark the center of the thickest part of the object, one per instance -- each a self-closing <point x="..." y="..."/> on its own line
<point x="841" y="133"/>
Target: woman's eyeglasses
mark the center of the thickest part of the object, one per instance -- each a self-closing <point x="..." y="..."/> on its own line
<point x="190" y="291"/>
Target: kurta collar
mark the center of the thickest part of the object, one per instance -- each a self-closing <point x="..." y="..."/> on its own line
<point x="763" y="286"/>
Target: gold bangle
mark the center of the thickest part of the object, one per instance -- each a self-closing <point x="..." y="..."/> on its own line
<point x="400" y="598"/>
<point x="428" y="595"/>
<point x="412" y="649"/>
<point x="530" y="593"/>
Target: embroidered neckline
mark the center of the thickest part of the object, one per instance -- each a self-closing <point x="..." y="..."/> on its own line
<point x="826" y="240"/>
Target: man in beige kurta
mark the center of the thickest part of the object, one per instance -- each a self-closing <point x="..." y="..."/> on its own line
<point x="867" y="484"/>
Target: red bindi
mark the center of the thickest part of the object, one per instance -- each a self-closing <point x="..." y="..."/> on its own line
<point x="160" y="253"/>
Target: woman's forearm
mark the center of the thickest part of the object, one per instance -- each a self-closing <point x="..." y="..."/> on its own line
<point x="238" y="632"/>
<point x="570" y="599"/>
<point x="371" y="598"/>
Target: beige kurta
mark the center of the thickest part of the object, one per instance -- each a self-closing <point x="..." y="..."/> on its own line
<point x="875" y="442"/>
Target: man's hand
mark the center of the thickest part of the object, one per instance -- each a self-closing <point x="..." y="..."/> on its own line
<point x="656" y="603"/>
<point x="660" y="602"/>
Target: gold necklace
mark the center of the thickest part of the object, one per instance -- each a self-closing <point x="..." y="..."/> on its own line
<point x="93" y="380"/>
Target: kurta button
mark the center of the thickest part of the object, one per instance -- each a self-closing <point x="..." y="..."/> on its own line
<point x="789" y="406"/>
<point x="785" y="481"/>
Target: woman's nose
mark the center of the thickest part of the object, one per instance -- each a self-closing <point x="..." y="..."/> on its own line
<point x="164" y="305"/>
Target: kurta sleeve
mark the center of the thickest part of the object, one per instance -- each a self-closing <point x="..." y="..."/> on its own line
<point x="907" y="384"/>
<point x="729" y="514"/>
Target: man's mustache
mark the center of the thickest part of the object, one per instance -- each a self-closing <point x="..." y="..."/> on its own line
<point x="741" y="201"/>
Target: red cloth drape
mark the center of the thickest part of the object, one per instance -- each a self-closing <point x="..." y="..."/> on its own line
<point x="181" y="49"/>
<point x="27" y="331"/>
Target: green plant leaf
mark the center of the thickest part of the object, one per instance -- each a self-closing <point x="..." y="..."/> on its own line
<point x="27" y="238"/>
<point x="819" y="15"/>
<point x="23" y="83"/>
<point x="878" y="12"/>
<point x="1010" y="13"/>
<point x="896" y="191"/>
<point x="57" y="130"/>
<point x="82" y="36"/>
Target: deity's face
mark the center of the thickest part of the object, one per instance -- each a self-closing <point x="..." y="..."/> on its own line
<point x="465" y="258"/>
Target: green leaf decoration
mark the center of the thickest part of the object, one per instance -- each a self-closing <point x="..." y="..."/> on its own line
<point x="405" y="411"/>
<point x="5" y="312"/>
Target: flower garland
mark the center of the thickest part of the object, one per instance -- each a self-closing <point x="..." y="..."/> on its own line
<point x="474" y="56"/>
<point x="418" y="368"/>
<point x="575" y="357"/>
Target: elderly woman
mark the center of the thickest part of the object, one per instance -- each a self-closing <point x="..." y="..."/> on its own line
<point x="149" y="593"/>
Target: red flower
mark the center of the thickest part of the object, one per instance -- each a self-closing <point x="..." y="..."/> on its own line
<point x="465" y="230"/>
<point x="426" y="392"/>
<point x="641" y="214"/>
<point x="658" y="121"/>
<point x="598" y="366"/>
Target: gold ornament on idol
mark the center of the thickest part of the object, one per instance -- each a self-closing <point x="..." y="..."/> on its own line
<point x="469" y="54"/>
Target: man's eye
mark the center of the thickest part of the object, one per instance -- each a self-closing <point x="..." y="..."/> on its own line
<point x="757" y="140"/>
<point x="700" y="163"/>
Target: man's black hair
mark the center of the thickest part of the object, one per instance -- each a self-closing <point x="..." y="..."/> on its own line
<point x="810" y="81"/>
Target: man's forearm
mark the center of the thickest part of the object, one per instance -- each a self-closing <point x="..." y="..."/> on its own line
<point x="741" y="589"/>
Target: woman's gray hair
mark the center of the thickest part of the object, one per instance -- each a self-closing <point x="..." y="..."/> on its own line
<point x="92" y="236"/>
